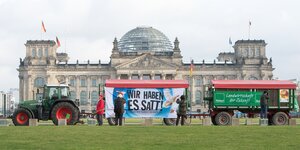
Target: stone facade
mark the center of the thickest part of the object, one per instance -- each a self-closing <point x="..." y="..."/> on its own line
<point x="43" y="65"/>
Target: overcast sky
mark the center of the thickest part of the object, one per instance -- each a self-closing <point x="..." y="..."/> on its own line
<point x="86" y="28"/>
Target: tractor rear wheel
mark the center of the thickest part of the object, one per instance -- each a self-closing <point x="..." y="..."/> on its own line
<point x="21" y="117"/>
<point x="223" y="118"/>
<point x="280" y="118"/>
<point x="65" y="110"/>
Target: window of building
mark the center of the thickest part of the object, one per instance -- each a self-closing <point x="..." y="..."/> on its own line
<point x="40" y="52"/>
<point x="83" y="98"/>
<point x="124" y="76"/>
<point x="146" y="77"/>
<point x="94" y="82"/>
<point x="251" y="52"/>
<point x="198" y="97"/>
<point x="157" y="77"/>
<point x="169" y="77"/>
<point x="72" y="95"/>
<point x="245" y="52"/>
<point x="72" y="82"/>
<point x="257" y="52"/>
<point x="46" y="52"/>
<point x="39" y="82"/>
<point x="135" y="77"/>
<point x="198" y="82"/>
<point x="82" y="82"/>
<point x="104" y="78"/>
<point x="33" y="52"/>
<point x="94" y="97"/>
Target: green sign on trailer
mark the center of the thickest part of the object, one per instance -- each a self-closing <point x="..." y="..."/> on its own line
<point x="236" y="98"/>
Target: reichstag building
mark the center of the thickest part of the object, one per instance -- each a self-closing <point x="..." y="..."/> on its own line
<point x="143" y="53"/>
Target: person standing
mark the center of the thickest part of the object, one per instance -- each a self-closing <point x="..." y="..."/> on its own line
<point x="119" y="109"/>
<point x="264" y="105"/>
<point x="100" y="110"/>
<point x="181" y="113"/>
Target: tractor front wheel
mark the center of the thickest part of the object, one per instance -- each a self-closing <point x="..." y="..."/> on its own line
<point x="65" y="110"/>
<point x="21" y="117"/>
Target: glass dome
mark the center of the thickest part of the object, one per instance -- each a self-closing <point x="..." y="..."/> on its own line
<point x="144" y="39"/>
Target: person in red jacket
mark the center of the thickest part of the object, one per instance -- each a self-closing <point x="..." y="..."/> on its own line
<point x="100" y="110"/>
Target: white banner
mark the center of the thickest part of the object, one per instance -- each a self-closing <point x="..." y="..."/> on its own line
<point x="144" y="102"/>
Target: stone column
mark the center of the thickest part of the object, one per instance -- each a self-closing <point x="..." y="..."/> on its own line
<point x="21" y="88"/>
<point x="88" y="87"/>
<point x="66" y="79"/>
<point x="29" y="88"/>
<point x="77" y="81"/>
<point x="163" y="75"/>
<point x="141" y="76"/>
<point x="192" y="89"/>
<point x="152" y="76"/>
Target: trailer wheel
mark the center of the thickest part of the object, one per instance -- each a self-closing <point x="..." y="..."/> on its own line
<point x="280" y="118"/>
<point x="223" y="118"/>
<point x="21" y="117"/>
<point x="111" y="121"/>
<point x="65" y="110"/>
<point x="169" y="121"/>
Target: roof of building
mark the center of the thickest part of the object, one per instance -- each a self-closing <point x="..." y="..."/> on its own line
<point x="250" y="41"/>
<point x="144" y="39"/>
<point x="147" y="83"/>
<point x="253" y="84"/>
<point x="51" y="42"/>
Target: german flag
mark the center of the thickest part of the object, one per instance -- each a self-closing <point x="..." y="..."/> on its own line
<point x="57" y="42"/>
<point x="43" y="27"/>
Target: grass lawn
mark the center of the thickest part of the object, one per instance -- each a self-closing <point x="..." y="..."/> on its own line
<point x="150" y="137"/>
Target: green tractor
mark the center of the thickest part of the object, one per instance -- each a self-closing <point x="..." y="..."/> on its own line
<point x="53" y="103"/>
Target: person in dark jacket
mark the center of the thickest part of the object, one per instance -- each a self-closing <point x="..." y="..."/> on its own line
<point x="119" y="109"/>
<point x="264" y="105"/>
<point x="181" y="113"/>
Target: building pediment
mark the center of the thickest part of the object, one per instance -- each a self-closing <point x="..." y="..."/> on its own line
<point x="145" y="62"/>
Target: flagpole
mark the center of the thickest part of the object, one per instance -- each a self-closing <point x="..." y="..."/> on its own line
<point x="65" y="44"/>
<point x="230" y="43"/>
<point x="191" y="82"/>
<point x="249" y="30"/>
<point x="41" y="31"/>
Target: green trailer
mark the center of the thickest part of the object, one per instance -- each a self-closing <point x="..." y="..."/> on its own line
<point x="227" y="96"/>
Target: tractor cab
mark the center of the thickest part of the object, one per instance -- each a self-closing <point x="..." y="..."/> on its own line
<point x="54" y="92"/>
